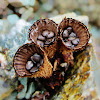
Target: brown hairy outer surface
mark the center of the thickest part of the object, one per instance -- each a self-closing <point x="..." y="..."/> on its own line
<point x="79" y="28"/>
<point x="38" y="27"/>
<point x="67" y="54"/>
<point x="21" y="57"/>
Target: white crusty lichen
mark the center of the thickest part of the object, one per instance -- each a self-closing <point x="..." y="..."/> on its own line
<point x="84" y="19"/>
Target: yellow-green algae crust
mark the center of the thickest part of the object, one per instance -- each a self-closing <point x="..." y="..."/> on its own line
<point x="73" y="87"/>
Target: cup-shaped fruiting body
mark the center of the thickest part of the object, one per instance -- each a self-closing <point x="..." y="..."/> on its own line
<point x="31" y="61"/>
<point x="73" y="34"/>
<point x="44" y="33"/>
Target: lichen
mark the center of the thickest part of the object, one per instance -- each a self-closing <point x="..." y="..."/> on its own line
<point x="73" y="87"/>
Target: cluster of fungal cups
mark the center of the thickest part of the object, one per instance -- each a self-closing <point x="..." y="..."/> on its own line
<point x="33" y="59"/>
